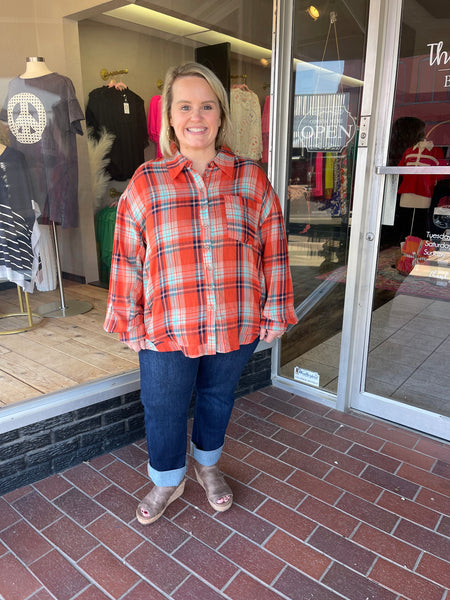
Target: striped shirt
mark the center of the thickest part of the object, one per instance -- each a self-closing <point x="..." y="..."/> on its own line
<point x="199" y="262"/>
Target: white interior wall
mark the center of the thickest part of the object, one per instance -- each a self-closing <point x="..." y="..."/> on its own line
<point x="146" y="58"/>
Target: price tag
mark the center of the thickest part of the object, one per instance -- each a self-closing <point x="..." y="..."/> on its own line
<point x="126" y="108"/>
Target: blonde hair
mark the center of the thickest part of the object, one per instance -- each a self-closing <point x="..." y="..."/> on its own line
<point x="167" y="135"/>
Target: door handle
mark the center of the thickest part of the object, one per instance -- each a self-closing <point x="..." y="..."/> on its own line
<point x="382" y="170"/>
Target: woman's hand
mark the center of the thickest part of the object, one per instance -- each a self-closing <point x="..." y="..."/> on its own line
<point x="266" y="335"/>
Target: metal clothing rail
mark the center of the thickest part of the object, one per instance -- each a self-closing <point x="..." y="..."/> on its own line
<point x="105" y="74"/>
<point x="412" y="170"/>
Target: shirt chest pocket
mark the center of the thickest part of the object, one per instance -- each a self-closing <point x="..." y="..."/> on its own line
<point x="242" y="218"/>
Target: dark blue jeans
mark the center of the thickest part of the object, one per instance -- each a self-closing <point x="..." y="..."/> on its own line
<point x="167" y="382"/>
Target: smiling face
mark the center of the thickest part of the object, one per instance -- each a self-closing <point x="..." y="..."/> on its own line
<point x="195" y="117"/>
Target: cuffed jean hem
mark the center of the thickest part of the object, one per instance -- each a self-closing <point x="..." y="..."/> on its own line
<point x="166" y="478"/>
<point x="206" y="458"/>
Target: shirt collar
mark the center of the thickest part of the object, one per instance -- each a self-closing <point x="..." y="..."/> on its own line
<point x="224" y="160"/>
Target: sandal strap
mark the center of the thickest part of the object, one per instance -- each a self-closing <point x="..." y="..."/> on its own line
<point x="213" y="482"/>
<point x="157" y="500"/>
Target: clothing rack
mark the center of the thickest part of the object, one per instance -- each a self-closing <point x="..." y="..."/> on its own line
<point x="105" y="74"/>
<point x="244" y="76"/>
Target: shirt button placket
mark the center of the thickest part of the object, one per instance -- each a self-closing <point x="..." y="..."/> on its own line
<point x="208" y="268"/>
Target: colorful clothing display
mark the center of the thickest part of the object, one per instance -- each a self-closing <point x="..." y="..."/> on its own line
<point x="43" y="116"/>
<point x="154" y="122"/>
<point x="341" y="185"/>
<point x="203" y="278"/>
<point x="414" y="250"/>
<point x="318" y="170"/>
<point x="329" y="172"/>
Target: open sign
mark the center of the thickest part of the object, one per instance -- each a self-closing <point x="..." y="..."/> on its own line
<point x="322" y="122"/>
<point x="331" y="130"/>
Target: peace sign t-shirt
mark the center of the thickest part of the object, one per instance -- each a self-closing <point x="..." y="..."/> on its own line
<point x="43" y="116"/>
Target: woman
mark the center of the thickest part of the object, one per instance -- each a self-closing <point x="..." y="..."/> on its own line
<point x="199" y="274"/>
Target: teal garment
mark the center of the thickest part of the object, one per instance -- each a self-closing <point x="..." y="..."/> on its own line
<point x="105" y="221"/>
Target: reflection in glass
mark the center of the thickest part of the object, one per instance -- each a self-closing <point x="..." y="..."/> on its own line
<point x="135" y="46"/>
<point x="328" y="70"/>
<point x="410" y="333"/>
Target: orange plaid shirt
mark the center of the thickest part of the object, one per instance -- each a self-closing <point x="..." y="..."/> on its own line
<point x="199" y="263"/>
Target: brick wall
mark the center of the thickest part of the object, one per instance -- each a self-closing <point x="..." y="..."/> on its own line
<point x="47" y="447"/>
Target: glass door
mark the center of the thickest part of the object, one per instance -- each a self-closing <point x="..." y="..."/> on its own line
<point x="402" y="330"/>
<point x="329" y="53"/>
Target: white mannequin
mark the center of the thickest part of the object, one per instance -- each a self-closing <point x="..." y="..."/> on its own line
<point x="414" y="201"/>
<point x="36" y="67"/>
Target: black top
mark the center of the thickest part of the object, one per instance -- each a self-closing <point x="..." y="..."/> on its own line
<point x="122" y="113"/>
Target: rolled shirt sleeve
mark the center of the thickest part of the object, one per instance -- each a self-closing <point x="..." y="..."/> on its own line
<point x="126" y="301"/>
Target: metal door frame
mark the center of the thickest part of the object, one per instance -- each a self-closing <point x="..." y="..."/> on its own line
<point x="377" y="107"/>
<point x="283" y="31"/>
<point x="355" y="346"/>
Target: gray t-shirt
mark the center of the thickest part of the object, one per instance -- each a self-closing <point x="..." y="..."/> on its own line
<point x="43" y="116"/>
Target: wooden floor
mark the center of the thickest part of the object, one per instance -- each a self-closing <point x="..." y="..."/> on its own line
<point x="60" y="352"/>
<point x="63" y="352"/>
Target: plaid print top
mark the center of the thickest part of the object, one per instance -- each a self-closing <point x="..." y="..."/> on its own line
<point x="199" y="262"/>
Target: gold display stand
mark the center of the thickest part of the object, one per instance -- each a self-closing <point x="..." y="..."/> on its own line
<point x="23" y="313"/>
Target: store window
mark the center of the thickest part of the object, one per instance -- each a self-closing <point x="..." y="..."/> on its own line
<point x="136" y="45"/>
<point x="328" y="66"/>
<point x="124" y="51"/>
<point x="410" y="332"/>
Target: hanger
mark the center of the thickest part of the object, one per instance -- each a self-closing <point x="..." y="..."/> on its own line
<point x="119" y="85"/>
<point x="240" y="86"/>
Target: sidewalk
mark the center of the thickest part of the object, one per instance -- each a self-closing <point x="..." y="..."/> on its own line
<point x="327" y="506"/>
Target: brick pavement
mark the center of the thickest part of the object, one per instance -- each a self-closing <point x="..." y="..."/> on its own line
<point x="328" y="506"/>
